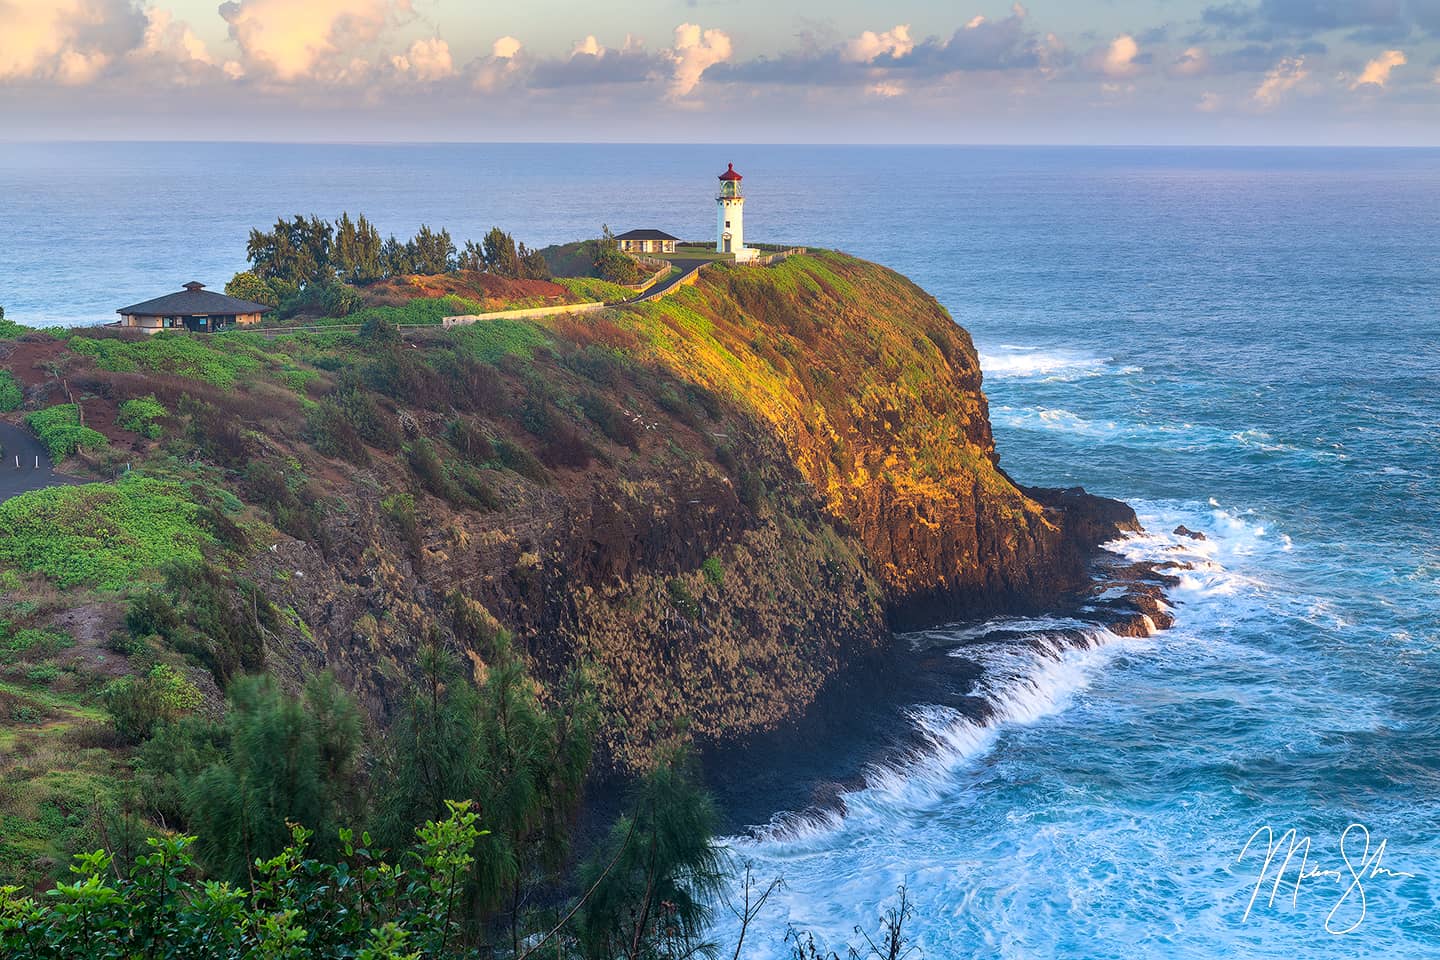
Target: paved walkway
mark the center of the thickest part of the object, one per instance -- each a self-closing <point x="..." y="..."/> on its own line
<point x="16" y="441"/>
<point x="687" y="267"/>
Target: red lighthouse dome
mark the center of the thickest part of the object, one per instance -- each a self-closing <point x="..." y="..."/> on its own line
<point x="730" y="173"/>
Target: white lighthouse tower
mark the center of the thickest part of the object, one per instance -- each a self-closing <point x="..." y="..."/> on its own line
<point x="730" y="217"/>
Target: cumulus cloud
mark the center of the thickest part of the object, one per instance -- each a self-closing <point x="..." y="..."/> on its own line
<point x="589" y="47"/>
<point x="696" y="50"/>
<point x="885" y="89"/>
<point x="171" y="39"/>
<point x="1282" y="78"/>
<point x="310" y="39"/>
<point x="894" y="43"/>
<point x="1209" y="102"/>
<point x="1377" y="71"/>
<point x="503" y="68"/>
<point x="426" y="61"/>
<point x="1118" y="59"/>
<point x="69" y="41"/>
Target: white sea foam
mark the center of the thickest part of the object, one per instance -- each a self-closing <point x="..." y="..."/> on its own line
<point x="1011" y="361"/>
<point x="1023" y="680"/>
<point x="1032" y="668"/>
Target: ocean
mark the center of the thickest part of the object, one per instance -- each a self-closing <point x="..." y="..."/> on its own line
<point x="1242" y="341"/>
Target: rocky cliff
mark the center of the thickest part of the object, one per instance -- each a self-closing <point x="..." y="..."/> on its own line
<point x="716" y="502"/>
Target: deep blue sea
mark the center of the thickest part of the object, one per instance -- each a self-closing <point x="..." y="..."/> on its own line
<point x="1245" y="341"/>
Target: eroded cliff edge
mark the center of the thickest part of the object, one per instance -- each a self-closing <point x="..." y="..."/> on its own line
<point x="718" y="502"/>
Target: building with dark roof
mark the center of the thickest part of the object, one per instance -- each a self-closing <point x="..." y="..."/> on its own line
<point x="647" y="241"/>
<point x="193" y="308"/>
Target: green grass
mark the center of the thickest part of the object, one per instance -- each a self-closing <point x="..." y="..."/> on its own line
<point x="593" y="288"/>
<point x="218" y="359"/>
<point x="422" y="311"/>
<point x="489" y="340"/>
<point x="104" y="535"/>
<point x="59" y="428"/>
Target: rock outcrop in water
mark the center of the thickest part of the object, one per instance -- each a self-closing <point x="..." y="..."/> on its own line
<point x="719" y="502"/>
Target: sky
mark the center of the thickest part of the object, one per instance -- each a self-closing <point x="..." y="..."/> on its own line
<point x="1346" y="72"/>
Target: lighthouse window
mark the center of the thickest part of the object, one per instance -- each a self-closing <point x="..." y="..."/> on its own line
<point x="727" y="224"/>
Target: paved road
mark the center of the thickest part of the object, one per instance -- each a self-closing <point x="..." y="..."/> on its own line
<point x="687" y="267"/>
<point x="16" y="441"/>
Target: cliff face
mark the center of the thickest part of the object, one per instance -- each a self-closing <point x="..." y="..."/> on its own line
<point x="876" y="395"/>
<point x="716" y="502"/>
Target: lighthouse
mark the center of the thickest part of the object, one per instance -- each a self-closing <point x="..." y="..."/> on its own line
<point x="730" y="217"/>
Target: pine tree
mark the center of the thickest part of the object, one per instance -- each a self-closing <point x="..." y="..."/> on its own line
<point x="289" y="760"/>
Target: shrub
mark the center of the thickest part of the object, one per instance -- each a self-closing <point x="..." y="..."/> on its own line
<point x="400" y="508"/>
<point x="32" y="644"/>
<point x="713" y="570"/>
<point x="374" y="425"/>
<point x="218" y="435"/>
<point x="335" y="435"/>
<point x="137" y="704"/>
<point x="11" y="395"/>
<point x="151" y="612"/>
<point x="44" y="673"/>
<point x="472" y="442"/>
<point x="517" y="458"/>
<point x="611" y="421"/>
<point x="138" y="415"/>
<point x="223" y="619"/>
<point x="59" y="429"/>
<point x="218" y="360"/>
<point x="430" y="470"/>
<point x="681" y="598"/>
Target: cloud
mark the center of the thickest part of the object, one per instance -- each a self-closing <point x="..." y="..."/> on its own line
<point x="502" y="69"/>
<point x="1208" y="103"/>
<point x="1282" y="78"/>
<point x="69" y="41"/>
<point x="426" y="61"/>
<point x="885" y="90"/>
<point x="1377" y="71"/>
<point x="1193" y="62"/>
<point x="170" y="39"/>
<point x="1118" y="59"/>
<point x="303" y="39"/>
<point x="591" y="63"/>
<point x="589" y="47"/>
<point x="505" y="48"/>
<point x="695" y="51"/>
<point x="983" y="44"/>
<point x="894" y="43"/>
<point x="1370" y="20"/>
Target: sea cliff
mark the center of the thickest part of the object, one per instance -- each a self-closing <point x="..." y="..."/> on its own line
<point x="716" y="503"/>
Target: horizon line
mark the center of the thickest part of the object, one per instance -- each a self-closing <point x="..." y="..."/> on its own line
<point x="22" y="141"/>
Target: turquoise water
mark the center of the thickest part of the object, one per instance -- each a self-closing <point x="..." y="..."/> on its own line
<point x="1243" y="341"/>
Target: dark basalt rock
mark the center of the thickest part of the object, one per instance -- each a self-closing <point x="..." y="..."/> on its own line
<point x="1184" y="531"/>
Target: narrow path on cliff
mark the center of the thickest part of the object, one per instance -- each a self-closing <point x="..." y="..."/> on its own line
<point x="687" y="268"/>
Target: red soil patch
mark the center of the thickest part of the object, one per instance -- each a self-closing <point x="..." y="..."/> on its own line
<point x="28" y="356"/>
<point x="495" y="292"/>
